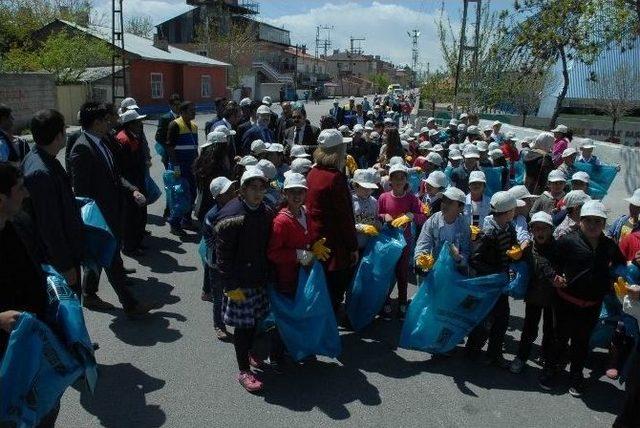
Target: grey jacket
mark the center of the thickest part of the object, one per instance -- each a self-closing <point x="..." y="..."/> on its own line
<point x="430" y="242"/>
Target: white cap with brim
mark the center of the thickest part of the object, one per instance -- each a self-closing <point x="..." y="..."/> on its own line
<point x="541" y="217"/>
<point x="455" y="194"/>
<point x="434" y="158"/>
<point x="275" y="148"/>
<point x="561" y="129"/>
<point x="331" y="138"/>
<point x="398" y="168"/>
<point x="128" y="104"/>
<point x="214" y="137"/>
<point x="575" y="198"/>
<point x="295" y="181"/>
<point x="431" y="119"/>
<point x="471" y="152"/>
<point x="300" y="165"/>
<point x="130" y="116"/>
<point x="569" y="151"/>
<point x="593" y="208"/>
<point x="263" y="109"/>
<point x="245" y="102"/>
<point x="556" y="176"/>
<point x="477" y="177"/>
<point x="581" y="176"/>
<point x="219" y="185"/>
<point x="502" y="202"/>
<point x="521" y="192"/>
<point x="396" y="160"/>
<point x="222" y="128"/>
<point x="388" y="120"/>
<point x="483" y="146"/>
<point x="298" y="152"/>
<point x="248" y="161"/>
<point x="473" y="130"/>
<point x="251" y="173"/>
<point x="425" y="145"/>
<point x="635" y="198"/>
<point x="266" y="100"/>
<point x="437" y="179"/>
<point x="588" y="144"/>
<point x="366" y="178"/>
<point x="368" y="126"/>
<point x="454" y="154"/>
<point x="258" y="147"/>
<point x="268" y="169"/>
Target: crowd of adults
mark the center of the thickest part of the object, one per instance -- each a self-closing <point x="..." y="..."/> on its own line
<point x="271" y="193"/>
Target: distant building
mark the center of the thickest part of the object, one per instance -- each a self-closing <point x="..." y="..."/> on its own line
<point x="310" y="71"/>
<point x="155" y="69"/>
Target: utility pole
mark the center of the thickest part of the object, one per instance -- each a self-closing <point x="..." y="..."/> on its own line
<point x="356" y="45"/>
<point x="464" y="48"/>
<point x="414" y="34"/>
<point x="324" y="43"/>
<point x="118" y="77"/>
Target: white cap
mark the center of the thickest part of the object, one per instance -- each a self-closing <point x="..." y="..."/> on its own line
<point x="455" y="154"/>
<point x="555" y="176"/>
<point x="367" y="178"/>
<point x="541" y="217"/>
<point x="496" y="123"/>
<point x="266" y="100"/>
<point x="482" y="146"/>
<point x="496" y="153"/>
<point x="453" y="122"/>
<point x="568" y="152"/>
<point x="245" y="102"/>
<point x="575" y="198"/>
<point x="398" y="168"/>
<point x="462" y="127"/>
<point x="455" y="194"/>
<point x="502" y="202"/>
<point x="493" y="145"/>
<point x="219" y="185"/>
<point x="299" y="152"/>
<point x="374" y="135"/>
<point x="268" y="169"/>
<point x="544" y="141"/>
<point x="581" y="176"/>
<point x="248" y="161"/>
<point x="488" y="128"/>
<point x="424" y="130"/>
<point x="433" y="132"/>
<point x="425" y="145"/>
<point x="477" y="177"/>
<point x="222" y="128"/>
<point x="214" y="138"/>
<point x="431" y="119"/>
<point x="437" y="148"/>
<point x="343" y="128"/>
<point x="258" y="147"/>
<point x="358" y="128"/>
<point x="593" y="208"/>
<point x="588" y="144"/>
<point x="251" y="173"/>
<point x="405" y="144"/>
<point x="454" y="146"/>
<point x="509" y="136"/>
<point x="300" y="165"/>
<point x="560" y="128"/>
<point x="434" y="158"/>
<point x="635" y="198"/>
<point x="473" y="130"/>
<point x="521" y="192"/>
<point x="368" y="126"/>
<point x="388" y="120"/>
<point x="263" y="109"/>
<point x="275" y="148"/>
<point x="130" y="116"/>
<point x="437" y="179"/>
<point x="463" y="116"/>
<point x="295" y="181"/>
<point x="471" y="151"/>
<point x="128" y="104"/>
<point x="331" y="138"/>
<point x="352" y="98"/>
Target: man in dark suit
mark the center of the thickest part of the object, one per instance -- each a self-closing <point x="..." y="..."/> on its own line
<point x="231" y="115"/>
<point x="259" y="131"/>
<point x="95" y="175"/>
<point x="302" y="133"/>
<point x="337" y="112"/>
<point x="52" y="204"/>
<point x="285" y="121"/>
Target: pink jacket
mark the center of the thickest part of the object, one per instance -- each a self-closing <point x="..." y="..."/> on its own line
<point x="558" y="147"/>
<point x="397" y="206"/>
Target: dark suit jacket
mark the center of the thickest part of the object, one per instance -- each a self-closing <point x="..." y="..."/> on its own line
<point x="92" y="178"/>
<point x="339" y="115"/>
<point x="309" y="137"/>
<point x="53" y="208"/>
<point x="252" y="134"/>
<point x="283" y="124"/>
<point x="242" y="129"/>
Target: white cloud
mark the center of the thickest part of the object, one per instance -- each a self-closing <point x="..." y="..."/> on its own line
<point x="384" y="26"/>
<point x="158" y="10"/>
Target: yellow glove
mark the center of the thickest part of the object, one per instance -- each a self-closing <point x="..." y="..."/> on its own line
<point x="368" y="229"/>
<point x="402" y="220"/>
<point x="515" y="252"/>
<point x="320" y="250"/>
<point x="475" y="230"/>
<point x="426" y="209"/>
<point x="274" y="185"/>
<point x="408" y="158"/>
<point x="425" y="261"/>
<point x="620" y="286"/>
<point x="236" y="295"/>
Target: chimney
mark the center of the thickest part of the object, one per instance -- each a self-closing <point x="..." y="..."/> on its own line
<point x="377" y="57"/>
<point x="336" y="51"/>
<point x="160" y="42"/>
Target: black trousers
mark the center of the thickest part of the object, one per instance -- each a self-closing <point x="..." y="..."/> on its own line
<point x="575" y="324"/>
<point x="117" y="278"/>
<point x="134" y="221"/>
<point x="532" y="315"/>
<point x="337" y="283"/>
<point x="630" y="415"/>
<point x="243" y="342"/>
<point x="493" y="327"/>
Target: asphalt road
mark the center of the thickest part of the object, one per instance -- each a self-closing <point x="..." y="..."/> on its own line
<point x="169" y="370"/>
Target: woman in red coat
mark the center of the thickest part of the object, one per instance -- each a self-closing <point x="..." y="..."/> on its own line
<point x="331" y="212"/>
<point x="290" y="242"/>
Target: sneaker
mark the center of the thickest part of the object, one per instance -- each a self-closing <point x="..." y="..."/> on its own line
<point x="206" y="297"/>
<point x="276" y="366"/>
<point x="95" y="303"/>
<point x="576" y="389"/>
<point x="189" y="224"/>
<point x="517" y="365"/>
<point x="612" y="373"/>
<point x="255" y="362"/>
<point x="249" y="381"/>
<point x="221" y="333"/>
<point x="402" y="311"/>
<point x="547" y="380"/>
<point x="387" y="311"/>
<point x="496" y="361"/>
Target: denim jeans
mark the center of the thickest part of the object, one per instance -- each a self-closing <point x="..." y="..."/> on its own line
<point x="215" y="289"/>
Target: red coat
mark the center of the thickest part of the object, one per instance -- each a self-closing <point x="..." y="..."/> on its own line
<point x="330" y="212"/>
<point x="512" y="155"/>
<point x="287" y="236"/>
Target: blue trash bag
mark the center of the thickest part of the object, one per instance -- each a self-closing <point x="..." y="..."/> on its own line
<point x="178" y="193"/>
<point x="518" y="178"/>
<point x="307" y="323"/>
<point x="100" y="244"/>
<point x="448" y="306"/>
<point x="494" y="180"/>
<point x="161" y="150"/>
<point x="414" y="181"/>
<point x="374" y="277"/>
<point x="600" y="178"/>
<point x="519" y="283"/>
<point x="447" y="171"/>
<point x="36" y="370"/>
<point x="203" y="251"/>
<point x="64" y="315"/>
<point x="152" y="191"/>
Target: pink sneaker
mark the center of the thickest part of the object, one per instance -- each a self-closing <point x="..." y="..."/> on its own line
<point x="255" y="362"/>
<point x="249" y="381"/>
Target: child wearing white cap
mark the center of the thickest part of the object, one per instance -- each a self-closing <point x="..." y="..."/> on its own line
<point x="586" y="153"/>
<point x="627" y="223"/>
<point x="477" y="205"/>
<point x="365" y="206"/>
<point x="580" y="181"/>
<point x="431" y="191"/>
<point x="568" y="159"/>
<point x="550" y="199"/>
<point x="572" y="204"/>
<point x="542" y="256"/>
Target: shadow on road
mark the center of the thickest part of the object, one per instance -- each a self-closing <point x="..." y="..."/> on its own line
<point x="158" y="258"/>
<point x="119" y="399"/>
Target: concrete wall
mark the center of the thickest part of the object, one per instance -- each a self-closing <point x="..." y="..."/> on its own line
<point x="70" y="98"/>
<point x="27" y="93"/>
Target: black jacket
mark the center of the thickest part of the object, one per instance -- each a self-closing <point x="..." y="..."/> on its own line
<point x="54" y="210"/>
<point x="543" y="261"/>
<point x="537" y="165"/>
<point x="489" y="256"/>
<point x="588" y="271"/>
<point x="309" y="137"/>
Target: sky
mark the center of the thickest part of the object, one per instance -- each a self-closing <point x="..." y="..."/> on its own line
<point x="383" y="23"/>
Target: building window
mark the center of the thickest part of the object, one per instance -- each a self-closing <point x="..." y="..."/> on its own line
<point x="156" y="86"/>
<point x="205" y="86"/>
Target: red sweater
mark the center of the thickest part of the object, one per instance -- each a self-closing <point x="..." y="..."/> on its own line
<point x="398" y="206"/>
<point x="287" y="236"/>
<point x="630" y="245"/>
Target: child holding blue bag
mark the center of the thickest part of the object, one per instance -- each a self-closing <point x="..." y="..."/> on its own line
<point x="365" y="206"/>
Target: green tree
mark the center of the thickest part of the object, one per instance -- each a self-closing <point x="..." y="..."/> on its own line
<point x="437" y="88"/>
<point x="522" y="91"/>
<point x="380" y="82"/>
<point x="65" y="56"/>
